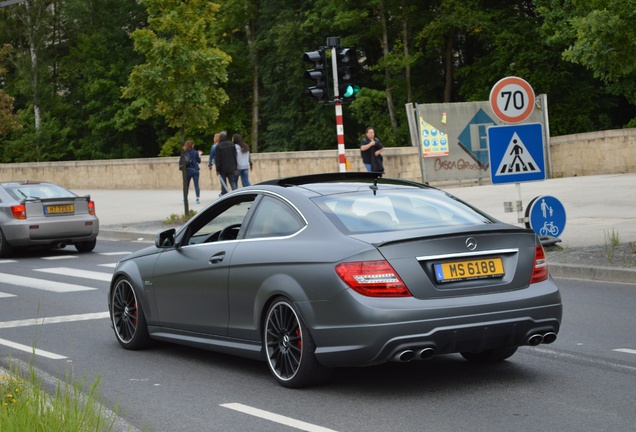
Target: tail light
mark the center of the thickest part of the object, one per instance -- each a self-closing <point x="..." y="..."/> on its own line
<point x="19" y="211"/>
<point x="91" y="208"/>
<point x="372" y="279"/>
<point x="540" y="269"/>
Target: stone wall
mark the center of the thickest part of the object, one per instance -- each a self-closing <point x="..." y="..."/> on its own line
<point x="607" y="152"/>
<point x="594" y="153"/>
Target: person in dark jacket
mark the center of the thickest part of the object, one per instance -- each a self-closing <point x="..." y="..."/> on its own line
<point x="225" y="161"/>
<point x="191" y="159"/>
<point x="371" y="151"/>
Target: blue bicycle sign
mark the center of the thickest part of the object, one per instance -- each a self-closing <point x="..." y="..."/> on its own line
<point x="546" y="216"/>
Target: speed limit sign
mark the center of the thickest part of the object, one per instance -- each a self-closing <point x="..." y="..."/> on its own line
<point x="512" y="100"/>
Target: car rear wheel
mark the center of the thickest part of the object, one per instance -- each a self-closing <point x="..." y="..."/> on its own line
<point x="5" y="248"/>
<point x="128" y="317"/>
<point x="290" y="348"/>
<point x="490" y="355"/>
<point x="86" y="246"/>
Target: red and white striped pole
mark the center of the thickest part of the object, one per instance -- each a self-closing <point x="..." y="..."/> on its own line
<point x="342" y="159"/>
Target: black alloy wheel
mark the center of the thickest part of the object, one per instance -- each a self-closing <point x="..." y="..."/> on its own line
<point x="127" y="317"/>
<point x="290" y="348"/>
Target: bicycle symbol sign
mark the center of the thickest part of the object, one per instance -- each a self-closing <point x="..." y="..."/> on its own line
<point x="546" y="216"/>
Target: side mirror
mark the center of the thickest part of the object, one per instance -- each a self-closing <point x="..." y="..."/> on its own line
<point x="165" y="238"/>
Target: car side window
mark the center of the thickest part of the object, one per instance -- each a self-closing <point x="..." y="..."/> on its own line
<point x="220" y="222"/>
<point x="274" y="218"/>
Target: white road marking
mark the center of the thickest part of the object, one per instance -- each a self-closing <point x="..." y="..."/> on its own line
<point x="7" y="261"/>
<point x="5" y="295"/>
<point x="588" y="360"/>
<point x="112" y="265"/>
<point x="53" y="320"/>
<point x="276" y="418"/>
<point x="87" y="274"/>
<point x="115" y="253"/>
<point x="59" y="257"/>
<point x="626" y="350"/>
<point x="29" y="349"/>
<point x="42" y="284"/>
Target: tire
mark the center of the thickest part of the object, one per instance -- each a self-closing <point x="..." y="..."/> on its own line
<point x="490" y="355"/>
<point x="127" y="316"/>
<point x="86" y="246"/>
<point x="290" y="348"/>
<point x="6" y="250"/>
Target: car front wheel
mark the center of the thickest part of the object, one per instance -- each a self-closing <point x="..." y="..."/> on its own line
<point x="127" y="316"/>
<point x="290" y="348"/>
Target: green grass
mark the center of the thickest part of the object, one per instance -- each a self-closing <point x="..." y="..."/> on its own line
<point x="175" y="219"/>
<point x="26" y="406"/>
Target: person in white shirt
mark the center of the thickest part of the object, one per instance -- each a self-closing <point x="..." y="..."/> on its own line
<point x="244" y="163"/>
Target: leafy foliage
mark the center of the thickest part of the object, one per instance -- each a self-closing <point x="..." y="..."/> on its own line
<point x="193" y="68"/>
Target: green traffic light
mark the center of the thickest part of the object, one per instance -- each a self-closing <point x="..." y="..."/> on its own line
<point x="352" y="90"/>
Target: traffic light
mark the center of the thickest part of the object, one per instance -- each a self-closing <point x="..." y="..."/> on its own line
<point x="320" y="90"/>
<point x="347" y="61"/>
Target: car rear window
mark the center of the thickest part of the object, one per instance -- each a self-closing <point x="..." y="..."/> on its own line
<point x="397" y="209"/>
<point x="37" y="191"/>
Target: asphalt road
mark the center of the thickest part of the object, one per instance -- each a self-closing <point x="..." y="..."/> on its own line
<point x="582" y="382"/>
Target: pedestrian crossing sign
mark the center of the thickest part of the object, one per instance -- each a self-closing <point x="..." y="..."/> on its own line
<point x="516" y="153"/>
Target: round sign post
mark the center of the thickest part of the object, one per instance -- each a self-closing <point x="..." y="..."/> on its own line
<point x="546" y="216"/>
<point x="512" y="100"/>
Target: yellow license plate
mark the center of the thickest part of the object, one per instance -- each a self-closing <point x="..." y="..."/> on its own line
<point x="466" y="270"/>
<point x="56" y="209"/>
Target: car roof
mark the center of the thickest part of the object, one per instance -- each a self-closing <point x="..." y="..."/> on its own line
<point x="329" y="183"/>
<point x="23" y="182"/>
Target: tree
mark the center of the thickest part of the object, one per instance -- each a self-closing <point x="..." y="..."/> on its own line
<point x="599" y="35"/>
<point x="181" y="77"/>
<point x="8" y="120"/>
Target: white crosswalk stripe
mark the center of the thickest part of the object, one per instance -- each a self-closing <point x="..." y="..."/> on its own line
<point x="42" y="284"/>
<point x="59" y="257"/>
<point x="86" y="274"/>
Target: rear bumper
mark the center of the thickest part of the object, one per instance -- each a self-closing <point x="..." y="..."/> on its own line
<point x="34" y="233"/>
<point x="383" y="330"/>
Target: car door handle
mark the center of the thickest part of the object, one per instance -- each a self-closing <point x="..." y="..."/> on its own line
<point x="215" y="259"/>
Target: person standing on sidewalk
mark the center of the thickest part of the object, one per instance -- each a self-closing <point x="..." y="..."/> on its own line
<point x="217" y="139"/>
<point x="191" y="163"/>
<point x="226" y="163"/>
<point x="244" y="163"/>
<point x="370" y="150"/>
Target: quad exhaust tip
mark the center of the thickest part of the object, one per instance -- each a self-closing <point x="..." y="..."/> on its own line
<point x="537" y="339"/>
<point x="408" y="355"/>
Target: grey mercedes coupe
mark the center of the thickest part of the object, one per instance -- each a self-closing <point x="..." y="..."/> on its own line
<point x="334" y="270"/>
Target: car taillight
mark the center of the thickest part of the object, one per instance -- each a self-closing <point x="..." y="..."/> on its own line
<point x="19" y="211"/>
<point x="372" y="279"/>
<point x="91" y="208"/>
<point x="540" y="269"/>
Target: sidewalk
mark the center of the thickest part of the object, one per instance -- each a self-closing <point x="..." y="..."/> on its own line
<point x="598" y="209"/>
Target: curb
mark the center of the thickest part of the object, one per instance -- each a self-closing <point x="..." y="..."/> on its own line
<point x="567" y="271"/>
<point x="601" y="274"/>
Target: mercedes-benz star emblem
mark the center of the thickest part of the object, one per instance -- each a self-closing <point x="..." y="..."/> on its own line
<point x="471" y="243"/>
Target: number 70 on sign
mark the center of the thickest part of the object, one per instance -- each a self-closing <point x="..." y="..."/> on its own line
<point x="512" y="100"/>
